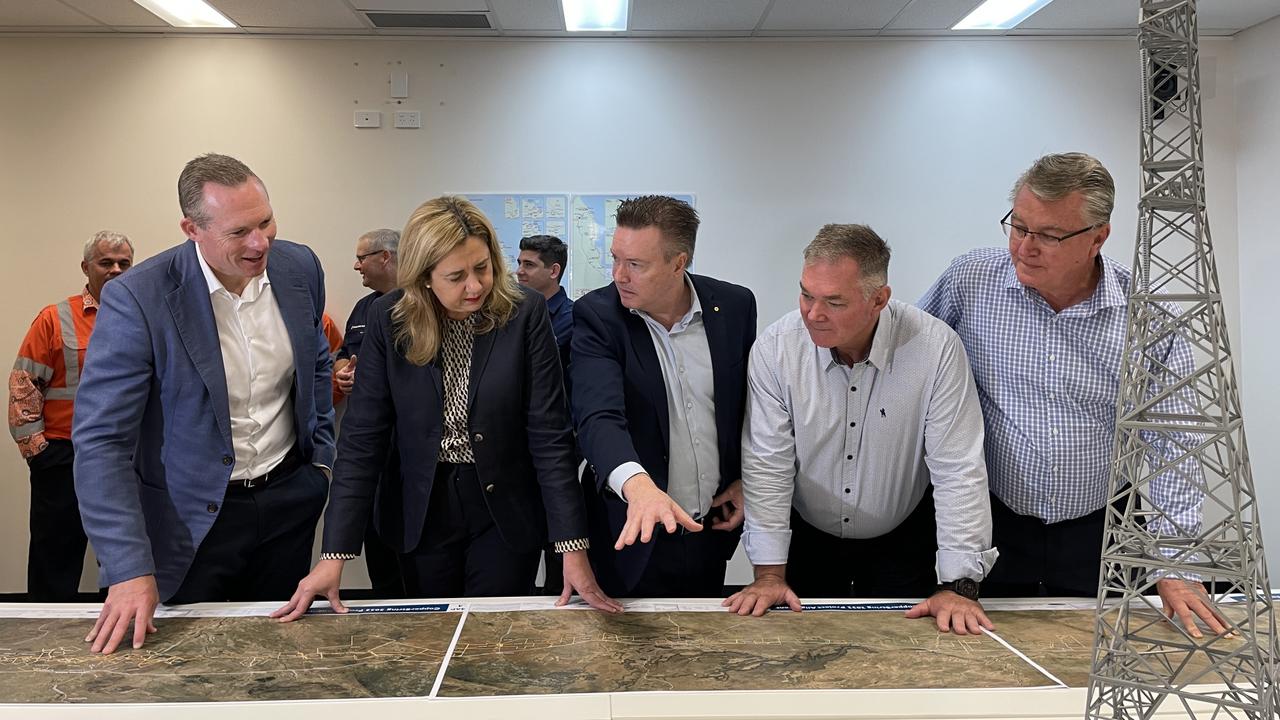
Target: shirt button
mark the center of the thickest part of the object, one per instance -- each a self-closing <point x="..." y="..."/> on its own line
<point x="689" y="405"/>
<point x="853" y="424"/>
<point x="213" y="507"/>
<point x="847" y="491"/>
<point x="478" y="437"/>
<point x="488" y="488"/>
<point x="848" y="457"/>
<point x="1052" y="358"/>
<point x="853" y="389"/>
<point x="1054" y="431"/>
<point x="227" y="460"/>
<point x="846" y="519"/>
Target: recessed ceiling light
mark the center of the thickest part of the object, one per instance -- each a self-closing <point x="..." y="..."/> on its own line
<point x="595" y="15"/>
<point x="999" y="14"/>
<point x="187" y="13"/>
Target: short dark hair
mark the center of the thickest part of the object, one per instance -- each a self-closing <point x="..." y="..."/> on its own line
<point x="858" y="242"/>
<point x="550" y="249"/>
<point x="221" y="170"/>
<point x="675" y="219"/>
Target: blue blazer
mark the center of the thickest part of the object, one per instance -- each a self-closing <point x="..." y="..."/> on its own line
<point x="517" y="417"/>
<point x="152" y="430"/>
<point x="620" y="405"/>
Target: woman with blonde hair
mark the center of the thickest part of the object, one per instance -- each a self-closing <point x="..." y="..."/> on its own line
<point x="459" y="408"/>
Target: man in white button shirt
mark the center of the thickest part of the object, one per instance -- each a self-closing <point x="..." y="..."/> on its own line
<point x="204" y="420"/>
<point x="863" y="442"/>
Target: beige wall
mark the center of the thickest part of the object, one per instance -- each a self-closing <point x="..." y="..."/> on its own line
<point x="920" y="138"/>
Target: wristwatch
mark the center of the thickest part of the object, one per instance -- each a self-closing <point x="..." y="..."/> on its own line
<point x="964" y="587"/>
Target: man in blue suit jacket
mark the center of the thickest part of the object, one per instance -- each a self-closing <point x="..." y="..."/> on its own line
<point x="659" y="386"/>
<point x="204" y="420"/>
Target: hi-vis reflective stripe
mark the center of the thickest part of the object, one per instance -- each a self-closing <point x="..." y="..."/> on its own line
<point x="40" y="370"/>
<point x="70" y="352"/>
<point x="22" y="431"/>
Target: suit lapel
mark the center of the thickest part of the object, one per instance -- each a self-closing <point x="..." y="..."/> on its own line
<point x="192" y="312"/>
<point x="294" y="301"/>
<point x="480" y="350"/>
<point x="646" y="361"/>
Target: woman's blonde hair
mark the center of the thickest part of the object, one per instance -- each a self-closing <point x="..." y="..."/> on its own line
<point x="434" y="230"/>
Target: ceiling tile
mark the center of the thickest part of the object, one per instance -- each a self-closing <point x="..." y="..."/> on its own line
<point x="1084" y="15"/>
<point x="691" y="15"/>
<point x="528" y="14"/>
<point x="832" y="14"/>
<point x="932" y="14"/>
<point x="117" y="13"/>
<point x="318" y="14"/>
<point x="48" y="13"/>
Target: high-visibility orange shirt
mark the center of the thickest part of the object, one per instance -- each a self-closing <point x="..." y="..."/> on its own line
<point x="42" y="385"/>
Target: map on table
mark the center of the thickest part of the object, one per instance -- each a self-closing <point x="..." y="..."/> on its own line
<point x="531" y="652"/>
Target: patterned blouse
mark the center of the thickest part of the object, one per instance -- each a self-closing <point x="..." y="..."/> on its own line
<point x="455" y="352"/>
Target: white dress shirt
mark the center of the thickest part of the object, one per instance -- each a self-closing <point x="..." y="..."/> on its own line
<point x="257" y="359"/>
<point x="855" y="448"/>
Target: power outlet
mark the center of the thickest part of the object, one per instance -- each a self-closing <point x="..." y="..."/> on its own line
<point x="408" y="119"/>
<point x="368" y="118"/>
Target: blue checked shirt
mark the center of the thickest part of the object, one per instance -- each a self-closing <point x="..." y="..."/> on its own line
<point x="1047" y="383"/>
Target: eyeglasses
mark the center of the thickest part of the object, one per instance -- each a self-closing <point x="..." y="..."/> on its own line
<point x="360" y="258"/>
<point x="1018" y="232"/>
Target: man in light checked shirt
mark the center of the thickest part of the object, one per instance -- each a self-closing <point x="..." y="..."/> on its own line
<point x="1043" y="325"/>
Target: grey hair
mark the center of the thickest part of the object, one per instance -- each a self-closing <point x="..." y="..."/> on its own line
<point x="382" y="239"/>
<point x="112" y="238"/>
<point x="1053" y="177"/>
<point x="221" y="170"/>
<point x="858" y="242"/>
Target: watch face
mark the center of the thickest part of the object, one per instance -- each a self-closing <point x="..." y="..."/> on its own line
<point x="966" y="587"/>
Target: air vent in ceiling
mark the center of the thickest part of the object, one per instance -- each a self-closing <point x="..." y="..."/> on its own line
<point x="431" y="21"/>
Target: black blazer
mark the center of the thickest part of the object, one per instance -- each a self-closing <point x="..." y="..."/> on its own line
<point x="620" y="404"/>
<point x="520" y="435"/>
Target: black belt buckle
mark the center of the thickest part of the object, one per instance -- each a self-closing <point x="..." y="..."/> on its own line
<point x="288" y="464"/>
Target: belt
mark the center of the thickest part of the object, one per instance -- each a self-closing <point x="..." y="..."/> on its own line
<point x="292" y="461"/>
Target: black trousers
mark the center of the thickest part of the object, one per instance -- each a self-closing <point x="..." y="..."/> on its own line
<point x="900" y="563"/>
<point x="681" y="564"/>
<point x="383" y="564"/>
<point x="55" y="555"/>
<point x="260" y="545"/>
<point x="1039" y="558"/>
<point x="462" y="553"/>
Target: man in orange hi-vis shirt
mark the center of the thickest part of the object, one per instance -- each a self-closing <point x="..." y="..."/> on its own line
<point x="42" y="390"/>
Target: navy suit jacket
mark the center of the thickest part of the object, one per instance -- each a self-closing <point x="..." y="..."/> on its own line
<point x="517" y="417"/>
<point x="620" y="404"/>
<point x="152" y="429"/>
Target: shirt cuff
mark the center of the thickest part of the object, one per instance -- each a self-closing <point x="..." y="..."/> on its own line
<point x="622" y="474"/>
<point x="767" y="547"/>
<point x="328" y="471"/>
<point x="953" y="564"/>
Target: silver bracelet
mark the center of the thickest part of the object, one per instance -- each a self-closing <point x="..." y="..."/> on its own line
<point x="337" y="556"/>
<point x="568" y="546"/>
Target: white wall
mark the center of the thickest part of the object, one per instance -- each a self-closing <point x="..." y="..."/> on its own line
<point x="921" y="138"/>
<point x="1258" y="109"/>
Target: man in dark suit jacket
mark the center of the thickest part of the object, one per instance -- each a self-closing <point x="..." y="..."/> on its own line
<point x="204" y="420"/>
<point x="659" y="387"/>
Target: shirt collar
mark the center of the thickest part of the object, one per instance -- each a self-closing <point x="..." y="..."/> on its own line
<point x="1108" y="294"/>
<point x="881" y="354"/>
<point x="694" y="313"/>
<point x="87" y="297"/>
<point x="557" y="302"/>
<point x="251" y="291"/>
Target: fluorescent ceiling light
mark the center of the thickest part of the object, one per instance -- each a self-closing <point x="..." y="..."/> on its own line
<point x="595" y="15"/>
<point x="1000" y="14"/>
<point x="186" y="13"/>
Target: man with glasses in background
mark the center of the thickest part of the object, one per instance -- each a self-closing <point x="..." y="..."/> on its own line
<point x="1043" y="324"/>
<point x="376" y="253"/>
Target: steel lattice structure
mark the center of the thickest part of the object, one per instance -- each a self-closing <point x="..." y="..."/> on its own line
<point x="1183" y="495"/>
